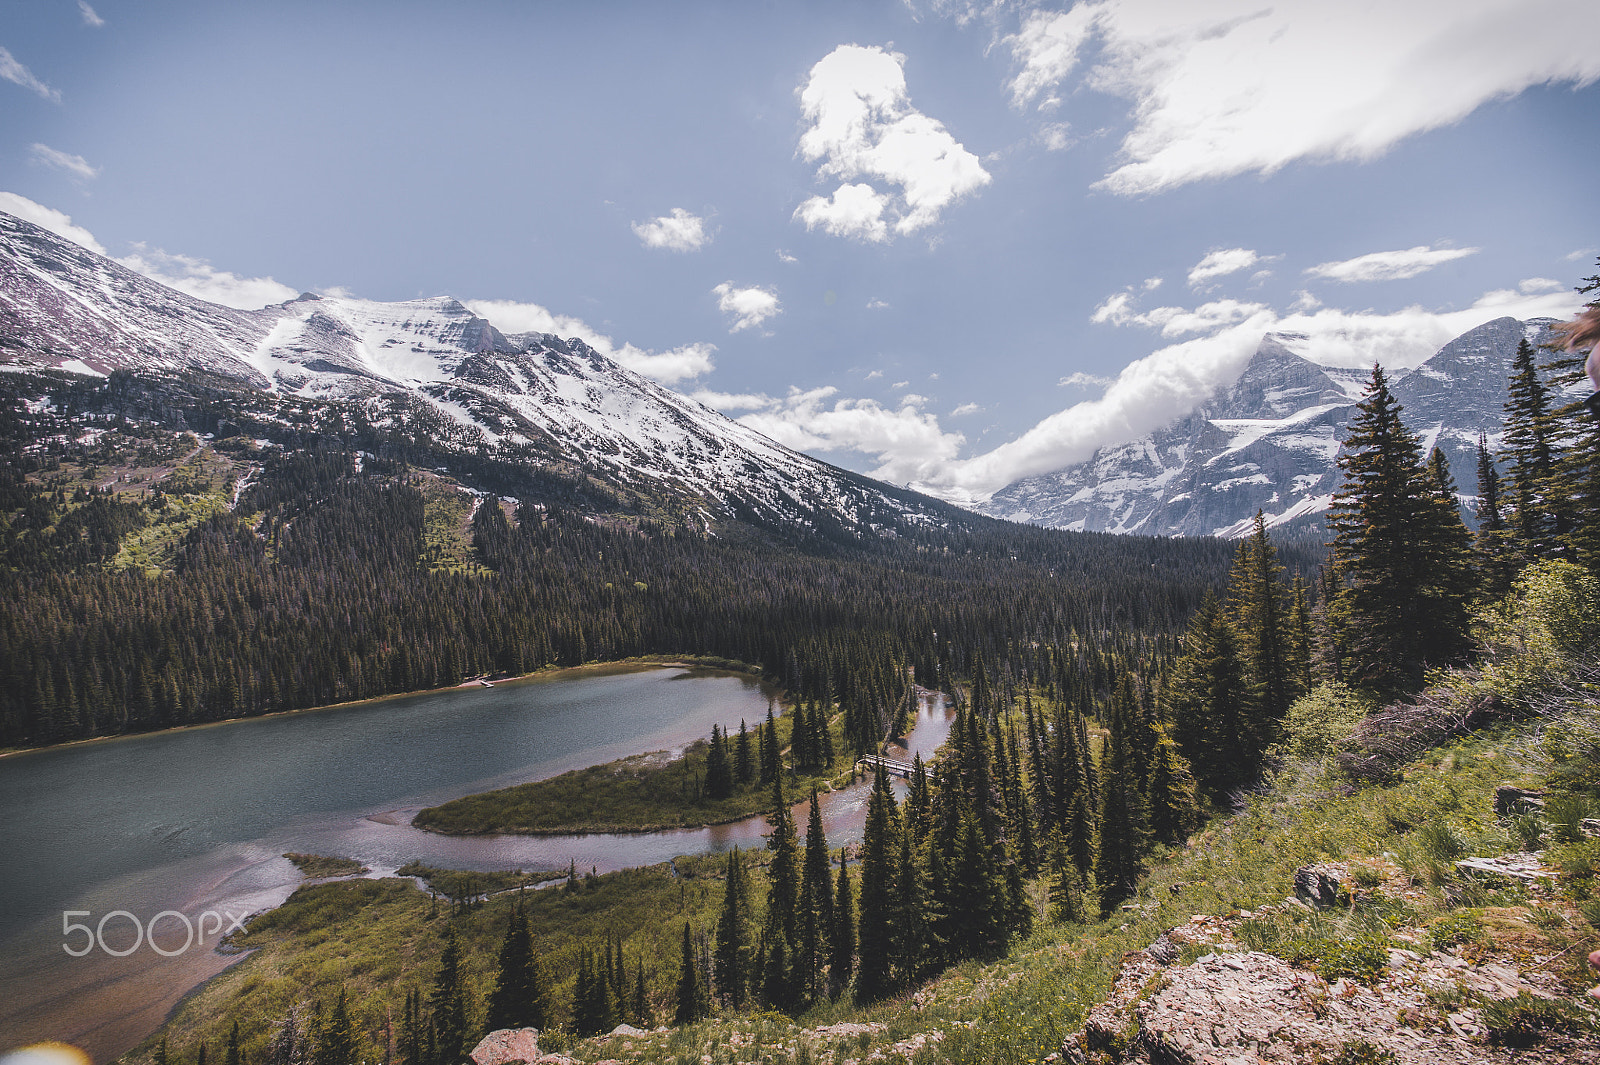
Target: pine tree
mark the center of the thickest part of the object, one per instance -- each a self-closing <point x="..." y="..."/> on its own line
<point x="842" y="937"/>
<point x="1174" y="809"/>
<point x="732" y="957"/>
<point x="160" y="1055"/>
<point x="879" y="849"/>
<point x="719" y="773"/>
<point x="232" y="1057"/>
<point x="1384" y="612"/>
<point x="770" y="752"/>
<point x="641" y="998"/>
<point x="1536" y="520"/>
<point x="1495" y="557"/>
<point x="692" y="1001"/>
<point x="512" y="1003"/>
<point x="816" y="901"/>
<point x="1208" y="703"/>
<point x="1444" y="549"/>
<point x="744" y="768"/>
<point x="1259" y="604"/>
<point x="449" y="1001"/>
<point x="337" y="1042"/>
<point x="1576" y="477"/>
<point x="1123" y="820"/>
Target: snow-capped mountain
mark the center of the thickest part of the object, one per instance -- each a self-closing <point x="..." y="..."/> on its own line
<point x="532" y="396"/>
<point x="1271" y="442"/>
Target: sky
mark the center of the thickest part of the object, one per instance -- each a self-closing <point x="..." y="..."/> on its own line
<point x="947" y="244"/>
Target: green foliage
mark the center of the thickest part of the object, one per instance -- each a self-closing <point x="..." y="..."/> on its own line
<point x="1459" y="928"/>
<point x="1362" y="1052"/>
<point x="1527" y="1021"/>
<point x="319" y="866"/>
<point x="1320" y="720"/>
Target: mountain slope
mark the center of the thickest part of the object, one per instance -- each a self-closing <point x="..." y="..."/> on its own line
<point x="531" y="398"/>
<point x="1271" y="442"/>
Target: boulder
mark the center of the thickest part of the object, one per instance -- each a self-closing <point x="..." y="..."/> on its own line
<point x="506" y="1045"/>
<point x="1512" y="801"/>
<point x="1321" y="886"/>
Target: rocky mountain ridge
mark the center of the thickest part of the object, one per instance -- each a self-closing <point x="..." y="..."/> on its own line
<point x="534" y="398"/>
<point x="1271" y="442"/>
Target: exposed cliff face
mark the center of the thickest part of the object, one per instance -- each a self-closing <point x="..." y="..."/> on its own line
<point x="1271" y="442"/>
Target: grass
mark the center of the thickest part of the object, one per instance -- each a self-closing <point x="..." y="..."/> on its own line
<point x="645" y="792"/>
<point x="320" y="866"/>
<point x="457" y="884"/>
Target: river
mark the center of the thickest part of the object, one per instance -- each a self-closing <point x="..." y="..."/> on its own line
<point x="195" y="821"/>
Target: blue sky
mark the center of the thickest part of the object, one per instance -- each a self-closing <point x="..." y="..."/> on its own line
<point x="950" y="245"/>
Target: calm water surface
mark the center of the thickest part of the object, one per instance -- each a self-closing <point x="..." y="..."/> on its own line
<point x="197" y="820"/>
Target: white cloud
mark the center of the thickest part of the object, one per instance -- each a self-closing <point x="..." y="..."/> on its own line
<point x="726" y="401"/>
<point x="1221" y="263"/>
<point x="203" y="281"/>
<point x="1152" y="283"/>
<point x="668" y="367"/>
<point x="1046" y="48"/>
<point x="1119" y="309"/>
<point x="1220" y="88"/>
<point x="749" y="306"/>
<point x="17" y="74"/>
<point x="1304" y="301"/>
<point x="900" y="384"/>
<point x="874" y="373"/>
<point x="1581" y="253"/>
<point x="1079" y="379"/>
<point x="785" y="257"/>
<point x="76" y="165"/>
<point x="862" y="125"/>
<point x="965" y="409"/>
<point x="678" y="231"/>
<point x="876" y="305"/>
<point x="905" y="441"/>
<point x="1389" y="265"/>
<point x="90" y="17"/>
<point x="1055" y="136"/>
<point x="57" y="222"/>
<point x="1528" y="286"/>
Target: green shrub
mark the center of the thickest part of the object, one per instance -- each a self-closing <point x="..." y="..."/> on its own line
<point x="1565" y="814"/>
<point x="1457" y="929"/>
<point x="1332" y="956"/>
<point x="1319" y="720"/>
<point x="1361" y="1052"/>
<point x="1524" y="1021"/>
<point x="1441" y="842"/>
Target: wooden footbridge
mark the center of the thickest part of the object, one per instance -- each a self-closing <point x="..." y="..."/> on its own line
<point x="893" y="766"/>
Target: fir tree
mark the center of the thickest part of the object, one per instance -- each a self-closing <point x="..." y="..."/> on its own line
<point x="692" y="1001"/>
<point x="842" y="937"/>
<point x="1444" y="550"/>
<point x="337" y="1044"/>
<point x="879" y="849"/>
<point x="1173" y="806"/>
<point x="719" y="773"/>
<point x="1260" y="616"/>
<point x="1123" y="820"/>
<point x="732" y="957"/>
<point x="1495" y="561"/>
<point x="521" y="995"/>
<point x="232" y="1057"/>
<point x="1385" y="517"/>
<point x="770" y="752"/>
<point x="816" y="900"/>
<point x="1536" y="519"/>
<point x="744" y="767"/>
<point x="1208" y="703"/>
<point x="448" y="1001"/>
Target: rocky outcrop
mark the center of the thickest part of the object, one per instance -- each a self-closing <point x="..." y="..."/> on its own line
<point x="1236" y="1007"/>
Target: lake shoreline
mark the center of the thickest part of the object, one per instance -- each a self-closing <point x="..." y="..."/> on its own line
<point x="619" y="665"/>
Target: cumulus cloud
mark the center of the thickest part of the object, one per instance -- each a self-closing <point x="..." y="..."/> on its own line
<point x="785" y="257"/>
<point x="91" y="18"/>
<point x="200" y="279"/>
<point x="678" y="231"/>
<point x="965" y="409"/>
<point x="1530" y="285"/>
<point x="1219" y="88"/>
<point x="877" y="305"/>
<point x="1046" y="49"/>
<point x="668" y="367"/>
<point x="17" y="74"/>
<point x="1389" y="265"/>
<point x="906" y="442"/>
<point x="1054" y="136"/>
<point x="862" y="126"/>
<point x="1120" y="309"/>
<point x="1222" y="263"/>
<point x="57" y="222"/>
<point x="1152" y="283"/>
<point x="75" y="165"/>
<point x="749" y="306"/>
